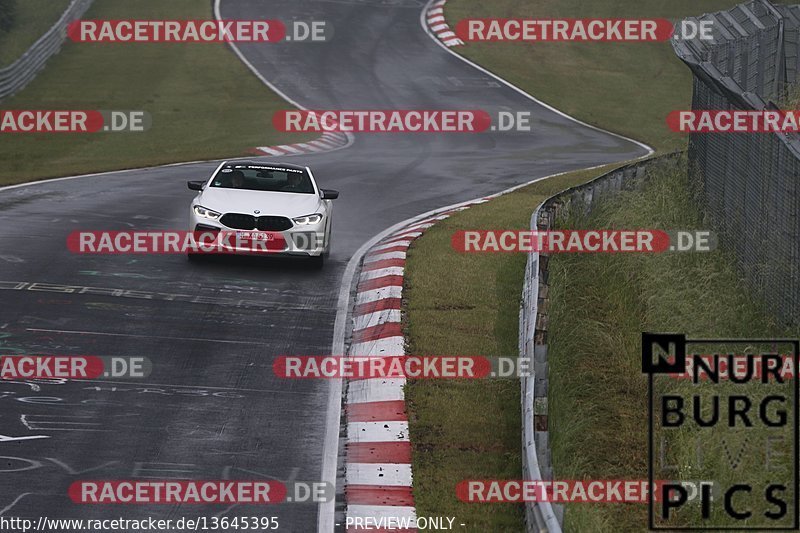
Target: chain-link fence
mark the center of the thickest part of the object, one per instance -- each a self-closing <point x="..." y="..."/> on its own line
<point x="750" y="180"/>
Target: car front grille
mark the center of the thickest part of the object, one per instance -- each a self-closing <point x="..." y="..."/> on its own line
<point x="273" y="223"/>
<point x="250" y="222"/>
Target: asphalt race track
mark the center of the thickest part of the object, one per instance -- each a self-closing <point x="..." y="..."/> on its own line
<point x="212" y="408"/>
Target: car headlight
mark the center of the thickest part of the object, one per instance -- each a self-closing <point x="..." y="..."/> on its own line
<point x="308" y="219"/>
<point x="201" y="211"/>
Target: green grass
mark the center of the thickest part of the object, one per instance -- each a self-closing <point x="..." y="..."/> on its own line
<point x="32" y="19"/>
<point x="204" y="103"/>
<point x="599" y="305"/>
<point x="468" y="304"/>
<point x="628" y="88"/>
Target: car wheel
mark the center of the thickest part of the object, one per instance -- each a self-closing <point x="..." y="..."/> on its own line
<point x="317" y="261"/>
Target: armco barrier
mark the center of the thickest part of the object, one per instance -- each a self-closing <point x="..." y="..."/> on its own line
<point x="17" y="75"/>
<point x="542" y="517"/>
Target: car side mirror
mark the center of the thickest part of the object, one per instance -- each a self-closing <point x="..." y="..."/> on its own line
<point x="195" y="185"/>
<point x="329" y="194"/>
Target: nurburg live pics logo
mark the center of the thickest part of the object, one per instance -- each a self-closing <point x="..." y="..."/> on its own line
<point x="732" y="431"/>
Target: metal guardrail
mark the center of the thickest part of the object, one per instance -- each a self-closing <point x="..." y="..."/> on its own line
<point x="17" y="75"/>
<point x="751" y="181"/>
<point x="543" y="517"/>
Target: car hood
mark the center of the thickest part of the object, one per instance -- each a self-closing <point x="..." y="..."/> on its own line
<point x="269" y="203"/>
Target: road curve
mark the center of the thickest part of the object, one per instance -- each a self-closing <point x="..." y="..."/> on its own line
<point x="212" y="408"/>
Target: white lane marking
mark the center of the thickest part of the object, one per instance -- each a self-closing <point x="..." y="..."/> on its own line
<point x="446" y="34"/>
<point x="377" y="432"/>
<point x="390" y="512"/>
<point x="381" y="347"/>
<point x="393" y="475"/>
<point x="381" y="272"/>
<point x="454" y="42"/>
<point x="439" y="27"/>
<point x="7" y="508"/>
<point x="6" y="438"/>
<point x="375" y="390"/>
<point x="391" y="291"/>
<point x="60" y="424"/>
<point x="436" y="11"/>
<point x="373" y="319"/>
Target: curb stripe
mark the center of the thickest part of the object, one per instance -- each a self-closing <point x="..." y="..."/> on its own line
<point x="377" y="283"/>
<point x="377" y="305"/>
<point x="327" y="142"/>
<point x="375" y="390"/>
<point x="377" y="431"/>
<point x="374" y="273"/>
<point x="379" y="294"/>
<point x="379" y="452"/>
<point x="395" y="252"/>
<point x="385" y="263"/>
<point x="437" y="24"/>
<point x="380" y="511"/>
<point x="381" y="347"/>
<point x="379" y="495"/>
<point x="371" y="320"/>
<point x="389" y="474"/>
<point x="392" y="411"/>
<point x="383" y="254"/>
<point x="391" y="243"/>
<point x="381" y="331"/>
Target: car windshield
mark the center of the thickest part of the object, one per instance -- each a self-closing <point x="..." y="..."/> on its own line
<point x="263" y="178"/>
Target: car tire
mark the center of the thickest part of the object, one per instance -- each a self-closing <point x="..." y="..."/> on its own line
<point x="317" y="261"/>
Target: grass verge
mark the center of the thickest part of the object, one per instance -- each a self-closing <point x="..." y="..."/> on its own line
<point x="467" y="304"/>
<point x="204" y="103"/>
<point x="599" y="305"/>
<point x="627" y="88"/>
<point x="32" y="18"/>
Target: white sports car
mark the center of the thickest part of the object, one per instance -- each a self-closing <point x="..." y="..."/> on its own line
<point x="265" y="197"/>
